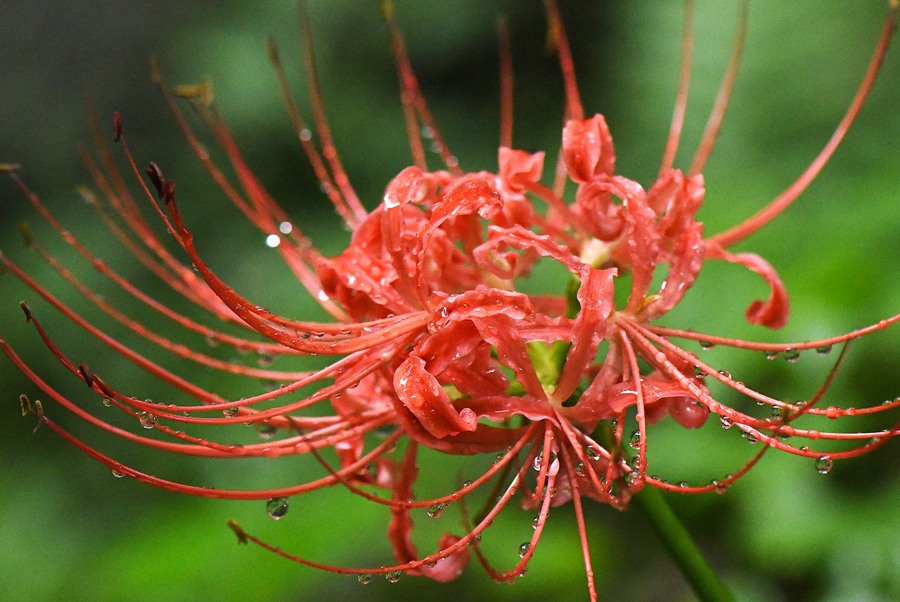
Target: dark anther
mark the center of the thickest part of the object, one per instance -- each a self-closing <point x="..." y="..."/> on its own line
<point x="24" y="306"/>
<point x="26" y="405"/>
<point x="169" y="191"/>
<point x="238" y="530"/>
<point x="86" y="374"/>
<point x="29" y="408"/>
<point x="26" y="234"/>
<point x="155" y="175"/>
<point x="117" y="126"/>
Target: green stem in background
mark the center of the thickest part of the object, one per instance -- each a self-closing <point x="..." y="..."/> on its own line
<point x="680" y="546"/>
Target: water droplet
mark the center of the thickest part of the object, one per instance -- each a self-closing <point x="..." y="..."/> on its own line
<point x="364" y="578"/>
<point x="435" y="510"/>
<point x="833" y="412"/>
<point x="523" y="549"/>
<point x="468" y="484"/>
<point x="805" y="448"/>
<point x="751" y="438"/>
<point x="823" y="349"/>
<point x="683" y="484"/>
<point x="792" y="355"/>
<point x="107" y="401"/>
<point x="727" y="423"/>
<point x="824" y="464"/>
<point x="579" y="468"/>
<point x="117" y="474"/>
<point x="698" y="372"/>
<point x="277" y="507"/>
<point x="632" y="477"/>
<point x="635" y="440"/>
<point x="538" y="460"/>
<point x="777" y="412"/>
<point x="393" y="576"/>
<point x="592" y="452"/>
<point x="267" y="431"/>
<point x="771" y="355"/>
<point x="499" y="457"/>
<point x="536" y="521"/>
<point x="229" y="412"/>
<point x="273" y="240"/>
<point x="305" y="135"/>
<point x="725" y="373"/>
<point x="148" y="421"/>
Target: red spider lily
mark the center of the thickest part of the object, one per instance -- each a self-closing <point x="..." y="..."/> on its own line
<point x="433" y="337"/>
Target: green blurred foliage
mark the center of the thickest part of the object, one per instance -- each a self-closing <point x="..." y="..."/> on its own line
<point x="69" y="529"/>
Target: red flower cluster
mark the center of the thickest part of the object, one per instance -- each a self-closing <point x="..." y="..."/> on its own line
<point x="432" y="335"/>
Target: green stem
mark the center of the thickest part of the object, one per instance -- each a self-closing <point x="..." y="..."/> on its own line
<point x="680" y="546"/>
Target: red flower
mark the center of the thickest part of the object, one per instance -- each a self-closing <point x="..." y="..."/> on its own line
<point x="433" y="337"/>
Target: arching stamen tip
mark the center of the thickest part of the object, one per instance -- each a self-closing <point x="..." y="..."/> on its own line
<point x="25" y="231"/>
<point x="26" y="309"/>
<point x="238" y="530"/>
<point x="86" y="374"/>
<point x="32" y="408"/>
<point x="9" y="167"/>
<point x="25" y="403"/>
<point x="201" y="92"/>
<point x="156" y="177"/>
<point x="155" y="72"/>
<point x="387" y="11"/>
<point x="272" y="49"/>
<point x="117" y="126"/>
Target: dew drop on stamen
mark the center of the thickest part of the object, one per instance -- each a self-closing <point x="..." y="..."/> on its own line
<point x="592" y="452"/>
<point x="148" y="421"/>
<point x="107" y="401"/>
<point x="117" y="474"/>
<point x="435" y="510"/>
<point x="792" y="355"/>
<point x="364" y="578"/>
<point x="824" y="464"/>
<point x="523" y="549"/>
<point x="393" y="576"/>
<point x="634" y="442"/>
<point x="771" y="355"/>
<point x="727" y="423"/>
<point x="579" y="469"/>
<point x="706" y="345"/>
<point x="230" y="412"/>
<point x="536" y="521"/>
<point x="277" y="507"/>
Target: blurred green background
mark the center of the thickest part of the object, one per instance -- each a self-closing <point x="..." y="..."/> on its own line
<point x="70" y="530"/>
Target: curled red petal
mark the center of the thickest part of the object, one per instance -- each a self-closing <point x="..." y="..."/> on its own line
<point x="588" y="149"/>
<point x="773" y="312"/>
<point x="424" y="397"/>
<point x="518" y="169"/>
